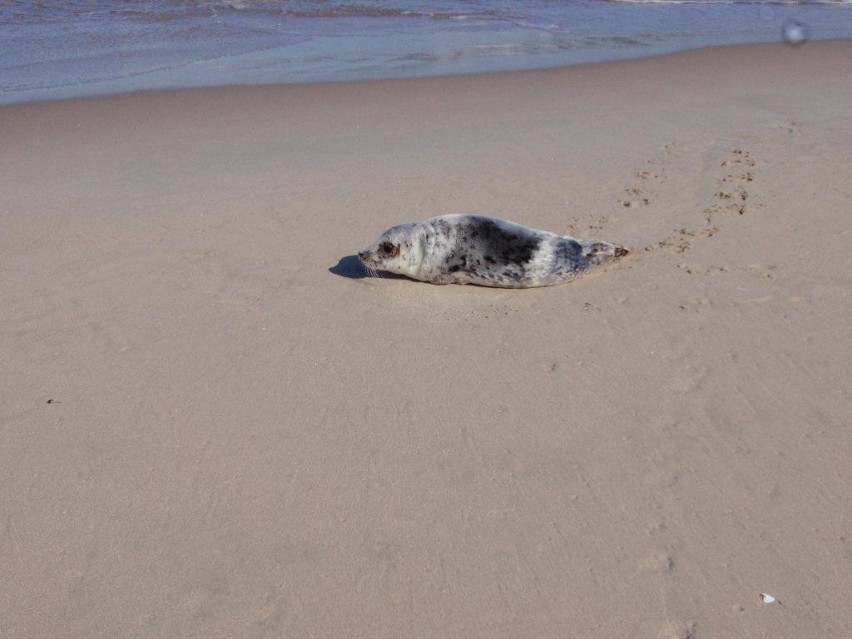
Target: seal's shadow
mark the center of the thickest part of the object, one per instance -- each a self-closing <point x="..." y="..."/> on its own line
<point x="351" y="268"/>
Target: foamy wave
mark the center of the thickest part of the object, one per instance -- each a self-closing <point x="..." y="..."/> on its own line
<point x="81" y="47"/>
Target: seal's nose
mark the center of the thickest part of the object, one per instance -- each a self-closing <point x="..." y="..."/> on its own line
<point x="362" y="254"/>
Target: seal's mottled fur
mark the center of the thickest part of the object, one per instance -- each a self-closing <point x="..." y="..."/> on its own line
<point x="488" y="251"/>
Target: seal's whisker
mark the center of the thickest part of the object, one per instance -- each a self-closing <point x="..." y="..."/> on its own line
<point x="373" y="272"/>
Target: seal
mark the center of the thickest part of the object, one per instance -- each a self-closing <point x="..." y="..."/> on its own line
<point x="486" y="251"/>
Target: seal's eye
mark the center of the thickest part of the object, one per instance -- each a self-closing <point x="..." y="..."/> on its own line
<point x="389" y="249"/>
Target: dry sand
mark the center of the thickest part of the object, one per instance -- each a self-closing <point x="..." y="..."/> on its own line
<point x="213" y="425"/>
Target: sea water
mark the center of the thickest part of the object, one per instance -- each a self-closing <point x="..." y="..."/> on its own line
<point x="71" y="48"/>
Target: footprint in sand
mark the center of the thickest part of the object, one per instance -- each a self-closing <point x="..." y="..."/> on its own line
<point x="731" y="198"/>
<point x="678" y="630"/>
<point x="700" y="269"/>
<point x="576" y="228"/>
<point x="645" y="182"/>
<point x="636" y="195"/>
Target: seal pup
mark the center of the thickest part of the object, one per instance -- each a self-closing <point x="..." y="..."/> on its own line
<point x="488" y="251"/>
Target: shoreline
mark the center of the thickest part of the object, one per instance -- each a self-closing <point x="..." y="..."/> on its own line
<point x="214" y="425"/>
<point x="581" y="65"/>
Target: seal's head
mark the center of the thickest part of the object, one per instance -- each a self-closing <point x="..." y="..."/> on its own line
<point x="397" y="250"/>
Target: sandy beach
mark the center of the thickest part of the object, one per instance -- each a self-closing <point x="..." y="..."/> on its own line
<point x="215" y="424"/>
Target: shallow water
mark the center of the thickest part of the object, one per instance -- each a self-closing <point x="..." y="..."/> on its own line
<point x="86" y="47"/>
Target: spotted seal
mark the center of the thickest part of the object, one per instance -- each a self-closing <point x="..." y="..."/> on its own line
<point x="488" y="251"/>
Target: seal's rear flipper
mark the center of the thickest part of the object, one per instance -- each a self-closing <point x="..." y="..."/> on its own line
<point x="601" y="251"/>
